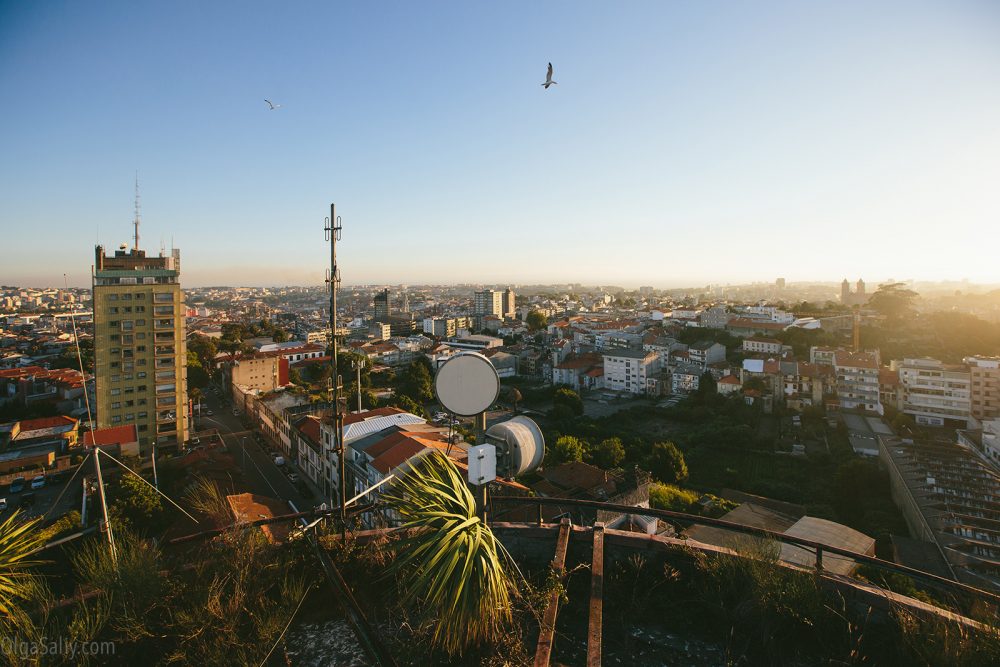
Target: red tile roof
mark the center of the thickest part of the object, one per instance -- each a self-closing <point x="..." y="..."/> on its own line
<point x="116" y="435"/>
<point x="47" y="422"/>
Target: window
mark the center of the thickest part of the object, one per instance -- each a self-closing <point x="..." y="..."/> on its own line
<point x="127" y="309"/>
<point x="140" y="309"/>
<point x="141" y="374"/>
<point x="141" y="296"/>
<point x="129" y="390"/>
<point x="115" y="406"/>
<point x="143" y="415"/>
<point x="129" y="416"/>
<point x="114" y="364"/>
<point x="142" y="401"/>
<point x="141" y="387"/>
<point x="140" y="336"/>
<point x="143" y="427"/>
<point x="129" y="404"/>
<point x="116" y="378"/>
<point x="127" y="297"/>
<point x="112" y="297"/>
<point x="116" y="419"/>
<point x="140" y="323"/>
<point x="113" y="311"/>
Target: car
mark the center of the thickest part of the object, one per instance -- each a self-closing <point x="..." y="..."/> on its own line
<point x="56" y="477"/>
<point x="209" y="413"/>
<point x="236" y="413"/>
<point x="194" y="441"/>
<point x="28" y="500"/>
<point x="38" y="482"/>
<point x="293" y="477"/>
<point x="17" y="485"/>
<point x="279" y="460"/>
<point x="3" y="504"/>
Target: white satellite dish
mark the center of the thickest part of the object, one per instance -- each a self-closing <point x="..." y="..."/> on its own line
<point x="467" y="384"/>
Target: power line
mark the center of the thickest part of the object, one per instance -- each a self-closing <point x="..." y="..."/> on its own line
<point x="169" y="500"/>
<point x="287" y="625"/>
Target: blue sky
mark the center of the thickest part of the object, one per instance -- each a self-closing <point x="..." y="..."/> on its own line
<point x="686" y="143"/>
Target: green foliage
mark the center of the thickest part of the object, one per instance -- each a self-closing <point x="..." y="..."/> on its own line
<point x="564" y="396"/>
<point x="566" y="449"/>
<point x="196" y="374"/>
<point x="453" y="573"/>
<point x="415" y="383"/>
<point x="19" y="586"/>
<point x="536" y="320"/>
<point x="406" y="403"/>
<point x="707" y="384"/>
<point x="139" y="504"/>
<point x="671" y="497"/>
<point x="667" y="463"/>
<point x="204" y="348"/>
<point x="66" y="524"/>
<point x="893" y="300"/>
<point x="609" y="453"/>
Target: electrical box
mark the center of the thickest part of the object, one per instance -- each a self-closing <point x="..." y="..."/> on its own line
<point x="482" y="464"/>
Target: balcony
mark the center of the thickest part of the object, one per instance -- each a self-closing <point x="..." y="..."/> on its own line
<point x="162" y="324"/>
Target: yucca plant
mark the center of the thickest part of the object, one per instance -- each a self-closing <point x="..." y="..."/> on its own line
<point x="19" y="586"/>
<point x="452" y="570"/>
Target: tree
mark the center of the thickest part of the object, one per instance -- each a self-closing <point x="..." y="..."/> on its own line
<point x="564" y="396"/>
<point x="454" y="573"/>
<point x="415" y="382"/>
<point x="536" y="320"/>
<point x="893" y="300"/>
<point x="609" y="453"/>
<point x="666" y="462"/>
<point x="707" y="385"/>
<point x="139" y="504"/>
<point x="566" y="449"/>
<point x="404" y="402"/>
<point x="295" y="377"/>
<point x="204" y="348"/>
<point x="197" y="376"/>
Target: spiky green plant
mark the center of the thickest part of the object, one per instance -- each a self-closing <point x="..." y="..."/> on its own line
<point x="452" y="570"/>
<point x="20" y="588"/>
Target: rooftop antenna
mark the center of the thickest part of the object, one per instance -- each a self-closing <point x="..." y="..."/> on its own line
<point x="136" y="220"/>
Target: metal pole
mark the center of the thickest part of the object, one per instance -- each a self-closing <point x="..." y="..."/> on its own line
<point x="83" y="506"/>
<point x="333" y="230"/>
<point x="357" y="365"/>
<point x="156" y="479"/>
<point x="479" y="491"/>
<point x="104" y="506"/>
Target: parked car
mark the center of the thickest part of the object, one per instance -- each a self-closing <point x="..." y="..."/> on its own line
<point x="56" y="477"/>
<point x="3" y="504"/>
<point x="209" y="413"/>
<point x="28" y="500"/>
<point x="293" y="477"/>
<point x="279" y="460"/>
<point x="17" y="485"/>
<point x="38" y="482"/>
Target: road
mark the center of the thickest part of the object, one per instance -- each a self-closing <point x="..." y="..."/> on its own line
<point x="259" y="470"/>
<point x="46" y="497"/>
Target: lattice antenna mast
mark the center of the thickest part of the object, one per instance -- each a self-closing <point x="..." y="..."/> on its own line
<point x="333" y="228"/>
<point x="135" y="221"/>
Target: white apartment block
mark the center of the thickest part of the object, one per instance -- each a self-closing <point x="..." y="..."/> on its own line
<point x="627" y="370"/>
<point x="759" y="345"/>
<point x="935" y="393"/>
<point x="488" y="302"/>
<point x="857" y="380"/>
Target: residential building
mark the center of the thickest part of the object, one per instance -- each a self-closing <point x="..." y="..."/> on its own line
<point x="509" y="307"/>
<point x="985" y="376"/>
<point x="627" y="370"/>
<point x="584" y="371"/>
<point x="706" y="353"/>
<point x="307" y="443"/>
<point x="488" y="302"/>
<point x="441" y="327"/>
<point x="761" y="345"/>
<point x="803" y="384"/>
<point x="935" y="393"/>
<point x="716" y="317"/>
<point x="857" y="376"/>
<point x="729" y="384"/>
<point x="263" y="372"/>
<point x="140" y="347"/>
<point x="890" y="390"/>
<point x="382" y="307"/>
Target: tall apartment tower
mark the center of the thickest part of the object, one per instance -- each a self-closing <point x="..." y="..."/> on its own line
<point x="488" y="302"/>
<point x="845" y="292"/>
<point x="509" y="309"/>
<point x="382" y="306"/>
<point x="140" y="348"/>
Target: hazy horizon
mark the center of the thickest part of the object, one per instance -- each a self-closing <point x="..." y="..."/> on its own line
<point x="702" y="144"/>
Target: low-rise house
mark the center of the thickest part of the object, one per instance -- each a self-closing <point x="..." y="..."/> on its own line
<point x="762" y="345"/>
<point x="705" y="353"/>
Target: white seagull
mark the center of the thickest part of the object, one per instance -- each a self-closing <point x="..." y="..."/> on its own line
<point x="548" y="78"/>
<point x="272" y="105"/>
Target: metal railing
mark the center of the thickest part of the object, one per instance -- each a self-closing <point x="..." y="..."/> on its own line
<point x="809" y="545"/>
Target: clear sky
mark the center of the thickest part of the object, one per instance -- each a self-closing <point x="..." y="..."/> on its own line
<point x="685" y="143"/>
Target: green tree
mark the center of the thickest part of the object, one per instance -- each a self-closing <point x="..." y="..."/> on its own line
<point x="893" y="300"/>
<point x="666" y="462"/>
<point x="204" y="348"/>
<point x="609" y="453"/>
<point x="536" y="320"/>
<point x="139" y="504"/>
<point x="404" y="402"/>
<point x="197" y="375"/>
<point x="566" y="449"/>
<point x="455" y="575"/>
<point x="415" y="382"/>
<point x="707" y="385"/>
<point x="564" y="396"/>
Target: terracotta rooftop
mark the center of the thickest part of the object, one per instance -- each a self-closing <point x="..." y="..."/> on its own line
<point x="116" y="435"/>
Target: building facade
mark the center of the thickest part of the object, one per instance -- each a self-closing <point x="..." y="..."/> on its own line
<point x="627" y="370"/>
<point x="935" y="393"/>
<point x="985" y="375"/>
<point x="140" y="348"/>
<point x="488" y="302"/>
<point x="857" y="376"/>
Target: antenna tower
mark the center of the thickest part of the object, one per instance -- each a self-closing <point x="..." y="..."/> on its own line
<point x="333" y="228"/>
<point x="136" y="220"/>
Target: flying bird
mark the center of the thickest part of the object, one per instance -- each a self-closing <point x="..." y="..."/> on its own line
<point x="272" y="105"/>
<point x="548" y="78"/>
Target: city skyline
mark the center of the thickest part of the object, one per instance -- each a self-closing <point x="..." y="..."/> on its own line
<point x="681" y="147"/>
